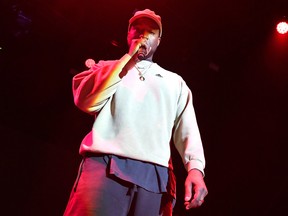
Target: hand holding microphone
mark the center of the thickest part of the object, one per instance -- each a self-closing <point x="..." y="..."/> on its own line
<point x="144" y="49"/>
<point x="143" y="52"/>
<point x="140" y="48"/>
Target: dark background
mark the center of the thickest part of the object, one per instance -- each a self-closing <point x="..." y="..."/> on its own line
<point x="227" y="51"/>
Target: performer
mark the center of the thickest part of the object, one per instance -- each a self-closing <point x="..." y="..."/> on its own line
<point x="140" y="108"/>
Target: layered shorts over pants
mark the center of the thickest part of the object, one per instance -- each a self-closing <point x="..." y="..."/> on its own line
<point x="104" y="188"/>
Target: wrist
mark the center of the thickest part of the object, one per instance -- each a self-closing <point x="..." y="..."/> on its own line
<point x="196" y="171"/>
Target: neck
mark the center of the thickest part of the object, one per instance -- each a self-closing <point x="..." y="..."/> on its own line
<point x="133" y="61"/>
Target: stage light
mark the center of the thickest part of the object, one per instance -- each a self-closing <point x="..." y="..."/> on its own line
<point x="282" y="27"/>
<point x="89" y="63"/>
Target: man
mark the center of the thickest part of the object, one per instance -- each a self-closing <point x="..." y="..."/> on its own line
<point x="140" y="108"/>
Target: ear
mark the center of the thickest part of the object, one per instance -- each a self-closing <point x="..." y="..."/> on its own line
<point x="159" y="40"/>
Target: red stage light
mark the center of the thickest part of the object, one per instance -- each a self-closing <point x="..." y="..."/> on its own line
<point x="282" y="27"/>
<point x="89" y="63"/>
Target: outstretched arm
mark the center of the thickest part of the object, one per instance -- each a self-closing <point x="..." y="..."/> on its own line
<point x="92" y="88"/>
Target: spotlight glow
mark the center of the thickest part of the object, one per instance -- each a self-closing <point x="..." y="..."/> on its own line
<point x="89" y="63"/>
<point x="282" y="27"/>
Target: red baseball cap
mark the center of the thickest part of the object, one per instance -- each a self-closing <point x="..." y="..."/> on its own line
<point x="148" y="14"/>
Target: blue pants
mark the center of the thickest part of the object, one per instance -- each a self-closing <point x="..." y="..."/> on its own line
<point x="96" y="193"/>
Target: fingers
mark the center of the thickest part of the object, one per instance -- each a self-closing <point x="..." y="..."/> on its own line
<point x="193" y="204"/>
<point x="198" y="198"/>
<point x="200" y="192"/>
<point x="194" y="184"/>
<point x="188" y="192"/>
<point x="135" y="46"/>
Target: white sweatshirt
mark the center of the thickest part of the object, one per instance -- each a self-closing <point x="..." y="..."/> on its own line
<point x="138" y="119"/>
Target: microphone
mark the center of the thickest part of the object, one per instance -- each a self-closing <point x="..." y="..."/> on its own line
<point x="141" y="56"/>
<point x="142" y="52"/>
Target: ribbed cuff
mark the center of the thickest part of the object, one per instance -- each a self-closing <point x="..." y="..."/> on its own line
<point x="195" y="164"/>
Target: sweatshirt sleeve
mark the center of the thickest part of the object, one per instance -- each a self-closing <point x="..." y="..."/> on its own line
<point x="186" y="134"/>
<point x="92" y="88"/>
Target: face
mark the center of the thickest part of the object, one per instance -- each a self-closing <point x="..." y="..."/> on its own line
<point x="147" y="29"/>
